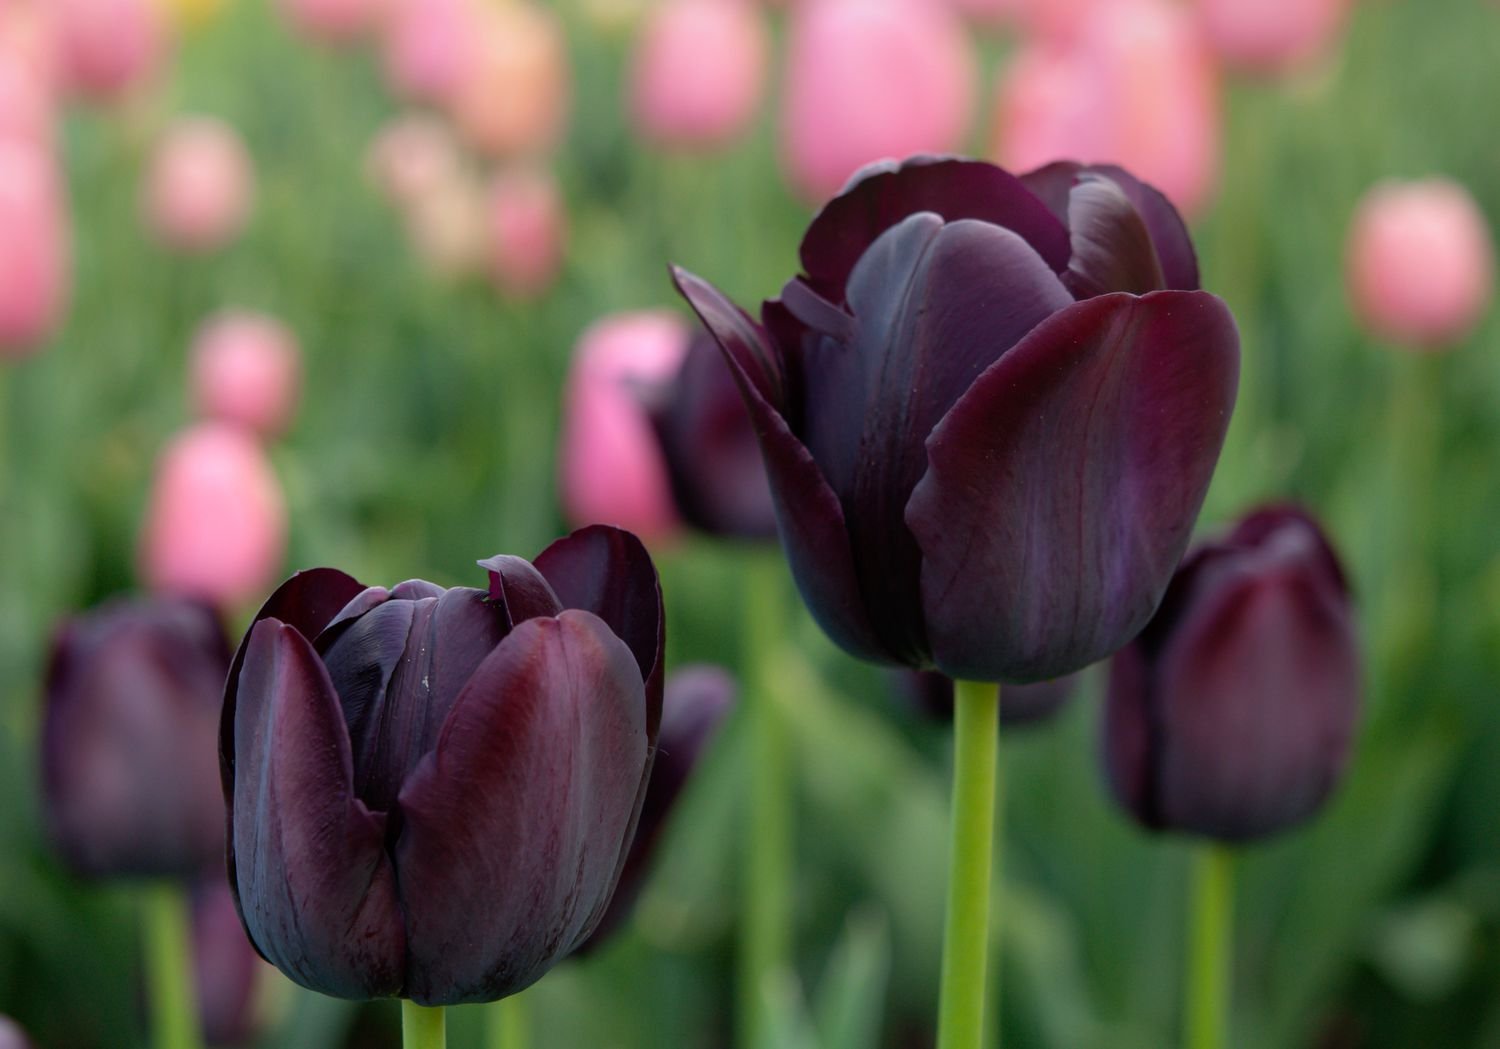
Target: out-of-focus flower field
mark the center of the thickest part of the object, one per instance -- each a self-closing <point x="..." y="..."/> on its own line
<point x="426" y="435"/>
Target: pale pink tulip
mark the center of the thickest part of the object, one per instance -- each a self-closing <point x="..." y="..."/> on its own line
<point x="108" y="47"/>
<point x="331" y="21"/>
<point x="869" y="79"/>
<point x="1134" y="88"/>
<point x="26" y="109"/>
<point x="1421" y="262"/>
<point x="200" y="186"/>
<point x="412" y="156"/>
<point x="35" y="260"/>
<point x="610" y="465"/>
<point x="446" y="227"/>
<point x="699" y="71"/>
<point x="1272" y="36"/>
<point x="514" y="99"/>
<point x="246" y="369"/>
<point x="28" y="74"/>
<point x="216" y="521"/>
<point x="430" y="47"/>
<point x="527" y="227"/>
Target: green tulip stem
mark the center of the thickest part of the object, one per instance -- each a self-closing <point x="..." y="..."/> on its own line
<point x="508" y="1024"/>
<point x="966" y="935"/>
<point x="1205" y="1021"/>
<point x="423" y="1027"/>
<point x="169" y="968"/>
<point x="766" y="937"/>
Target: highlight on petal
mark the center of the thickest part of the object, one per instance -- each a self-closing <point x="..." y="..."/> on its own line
<point x="1112" y="249"/>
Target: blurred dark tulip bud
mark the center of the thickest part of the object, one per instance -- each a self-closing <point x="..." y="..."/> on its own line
<point x="432" y="792"/>
<point x="227" y="973"/>
<point x="1231" y="716"/>
<point x="128" y="757"/>
<point x="11" y="1036"/>
<point x="932" y="694"/>
<point x="696" y="701"/>
<point x="718" y="479"/>
<point x="960" y="340"/>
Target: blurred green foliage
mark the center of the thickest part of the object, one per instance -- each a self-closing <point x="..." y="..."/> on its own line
<point x="426" y="439"/>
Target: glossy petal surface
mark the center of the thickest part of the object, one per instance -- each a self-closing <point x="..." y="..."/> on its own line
<point x="519" y="590"/>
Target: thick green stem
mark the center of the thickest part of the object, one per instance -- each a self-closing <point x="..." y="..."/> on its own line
<point x="1205" y="1019"/>
<point x="765" y="939"/>
<point x="508" y="1024"/>
<point x="423" y="1027"/>
<point x="169" y="969"/>
<point x="966" y="935"/>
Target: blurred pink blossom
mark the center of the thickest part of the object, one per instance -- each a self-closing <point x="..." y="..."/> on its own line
<point x="108" y="47"/>
<point x="411" y="156"/>
<point x="331" y="21"/>
<point x="992" y="12"/>
<point x="28" y="73"/>
<point x="216" y="521"/>
<point x="513" y="100"/>
<point x="527" y="227"/>
<point x="1421" y="262"/>
<point x="698" y="71"/>
<point x="869" y="79"/>
<point x="35" y="257"/>
<point x="1271" y="36"/>
<point x="1134" y="87"/>
<point x="200" y="185"/>
<point x="246" y="369"/>
<point x="610" y="465"/>
<point x="446" y="227"/>
<point x="429" y="47"/>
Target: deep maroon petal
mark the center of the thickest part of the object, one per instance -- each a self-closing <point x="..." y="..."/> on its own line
<point x="315" y="887"/>
<point x="751" y="354"/>
<point x="1112" y="248"/>
<point x="369" y="598"/>
<point x="927" y="320"/>
<point x="882" y="195"/>
<point x="520" y="591"/>
<point x="1064" y="485"/>
<point x="808" y="513"/>
<point x="515" y="826"/>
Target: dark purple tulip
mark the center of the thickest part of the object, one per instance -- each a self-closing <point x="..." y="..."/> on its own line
<point x="718" y="479"/>
<point x="1031" y="704"/>
<point x="988" y="431"/>
<point x="226" y="970"/>
<point x="128" y="768"/>
<point x="696" y="702"/>
<point x="432" y="792"/>
<point x="11" y="1035"/>
<point x="1231" y="715"/>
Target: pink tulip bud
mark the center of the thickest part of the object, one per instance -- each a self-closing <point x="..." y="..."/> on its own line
<point x="699" y="71"/>
<point x="1271" y="36"/>
<point x="200" y="186"/>
<point x="869" y="79"/>
<point x="35" y="260"/>
<point x="28" y="75"/>
<point x="108" y="47"/>
<point x="412" y="156"/>
<point x="1133" y="88"/>
<point x="331" y="21"/>
<point x="246" y="369"/>
<point x="610" y="464"/>
<point x="429" y="47"/>
<point x="1421" y="264"/>
<point x="513" y="101"/>
<point x="526" y="232"/>
<point x="216" y="523"/>
<point x="446" y="227"/>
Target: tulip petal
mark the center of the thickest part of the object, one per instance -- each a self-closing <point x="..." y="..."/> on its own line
<point x="519" y="590"/>
<point x="515" y="826"/>
<point x="808" y="513"/>
<point x="1063" y="485"/>
<point x="314" y="884"/>
<point x="1112" y="248"/>
<point x="926" y="323"/>
<point x="881" y="195"/>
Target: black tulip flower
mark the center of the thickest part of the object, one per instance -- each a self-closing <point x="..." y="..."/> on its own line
<point x="432" y="792"/>
<point x="713" y="459"/>
<point x="989" y="411"/>
<point x="129" y="771"/>
<point x="1020" y="705"/>
<point x="1231" y="715"/>
<point x="696" y="701"/>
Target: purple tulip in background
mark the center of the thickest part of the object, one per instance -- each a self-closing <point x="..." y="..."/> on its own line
<point x="11" y="1035"/>
<point x="227" y="973"/>
<point x="694" y="705"/>
<point x="988" y="431"/>
<point x="432" y="792"/>
<point x="932" y="694"/>
<point x="1231" y="715"/>
<point x="132" y="701"/>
